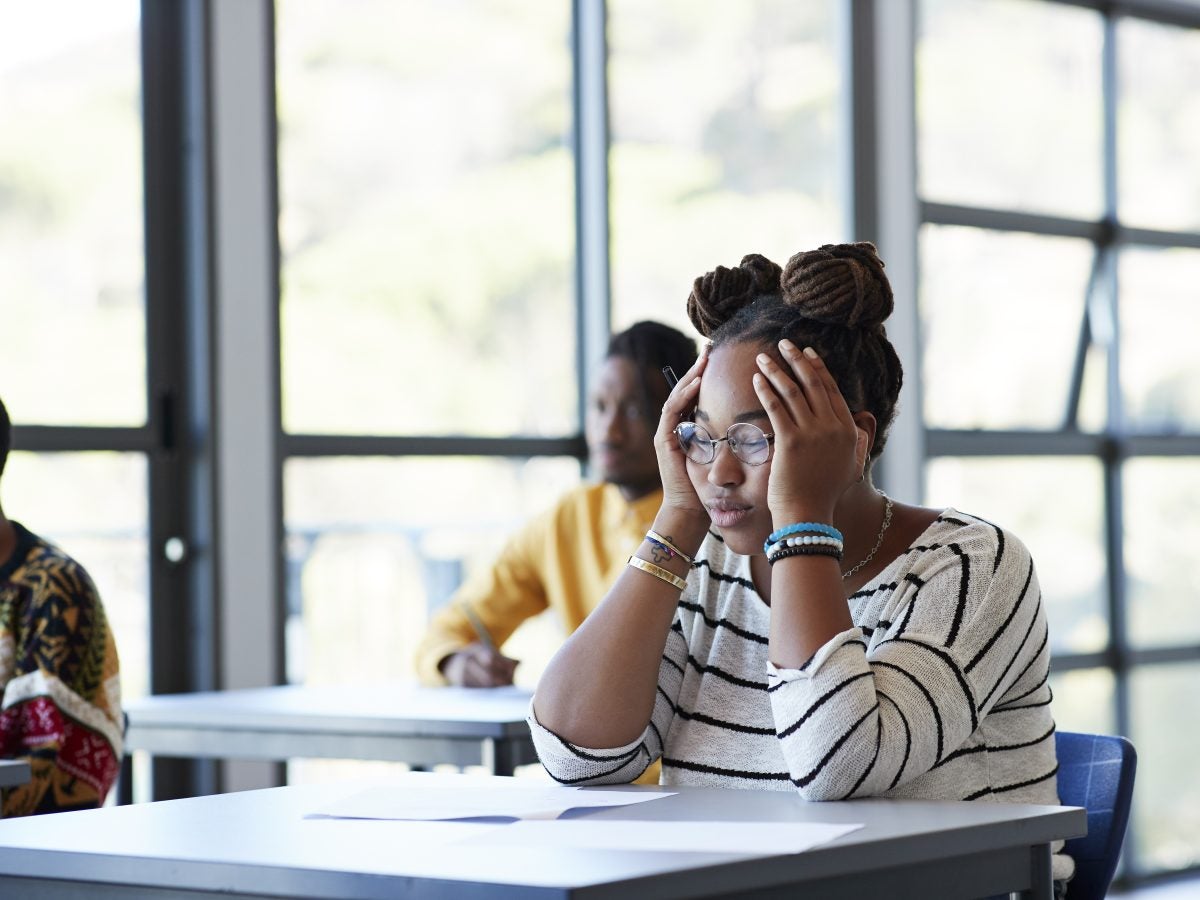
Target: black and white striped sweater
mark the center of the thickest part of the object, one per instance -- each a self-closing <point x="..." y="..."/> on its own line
<point x="939" y="692"/>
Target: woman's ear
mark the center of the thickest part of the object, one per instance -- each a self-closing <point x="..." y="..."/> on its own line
<point x="865" y="423"/>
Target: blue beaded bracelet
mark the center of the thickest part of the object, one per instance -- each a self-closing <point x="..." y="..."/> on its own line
<point x="800" y="528"/>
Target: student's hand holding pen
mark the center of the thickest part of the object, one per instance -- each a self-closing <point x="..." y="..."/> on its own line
<point x="480" y="663"/>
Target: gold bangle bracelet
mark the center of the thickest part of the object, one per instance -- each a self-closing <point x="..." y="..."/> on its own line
<point x="657" y="538"/>
<point x="658" y="572"/>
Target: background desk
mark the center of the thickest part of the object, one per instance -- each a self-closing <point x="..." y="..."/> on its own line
<point x="257" y="844"/>
<point x="14" y="772"/>
<point x="405" y="723"/>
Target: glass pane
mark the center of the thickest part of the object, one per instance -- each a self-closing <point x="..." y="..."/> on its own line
<point x="93" y="506"/>
<point x="375" y="545"/>
<point x="1055" y="507"/>
<point x="1161" y="536"/>
<point x="993" y="74"/>
<point x="1000" y="321"/>
<point x="1159" y="125"/>
<point x="1084" y="700"/>
<point x="427" y="217"/>
<point x="1160" y="371"/>
<point x="724" y="124"/>
<point x="71" y="264"/>
<point x="1166" y="795"/>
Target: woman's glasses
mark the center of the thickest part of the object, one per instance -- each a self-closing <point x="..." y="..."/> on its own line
<point x="747" y="442"/>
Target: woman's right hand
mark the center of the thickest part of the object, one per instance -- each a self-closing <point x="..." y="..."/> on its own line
<point x="678" y="493"/>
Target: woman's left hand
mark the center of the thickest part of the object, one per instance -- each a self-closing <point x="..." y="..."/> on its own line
<point x="817" y="444"/>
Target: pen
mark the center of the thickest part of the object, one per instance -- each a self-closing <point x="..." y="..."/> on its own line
<point x="480" y="630"/>
<point x="672" y="378"/>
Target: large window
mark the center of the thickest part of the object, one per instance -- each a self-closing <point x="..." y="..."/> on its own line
<point x="72" y="299"/>
<point x="1059" y="253"/>
<point x="428" y="316"/>
<point x="431" y="319"/>
<point x="725" y="141"/>
<point x="427" y="217"/>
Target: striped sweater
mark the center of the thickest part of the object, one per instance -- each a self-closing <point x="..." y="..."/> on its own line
<point x="938" y="692"/>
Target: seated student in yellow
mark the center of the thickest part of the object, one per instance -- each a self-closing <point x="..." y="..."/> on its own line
<point x="61" y="708"/>
<point x="785" y="625"/>
<point x="568" y="557"/>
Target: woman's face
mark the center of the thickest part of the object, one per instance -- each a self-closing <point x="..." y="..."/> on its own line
<point x="734" y="492"/>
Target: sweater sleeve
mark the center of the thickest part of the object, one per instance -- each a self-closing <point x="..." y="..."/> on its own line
<point x="503" y="596"/>
<point x="860" y="719"/>
<point x="568" y="763"/>
<point x="61" y="708"/>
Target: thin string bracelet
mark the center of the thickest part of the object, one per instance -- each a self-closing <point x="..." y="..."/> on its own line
<point x="655" y="538"/>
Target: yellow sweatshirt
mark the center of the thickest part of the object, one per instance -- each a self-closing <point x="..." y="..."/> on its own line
<point x="565" y="560"/>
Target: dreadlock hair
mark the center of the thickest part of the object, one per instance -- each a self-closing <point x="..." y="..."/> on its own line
<point x="5" y="436"/>
<point x="650" y="346"/>
<point x="833" y="299"/>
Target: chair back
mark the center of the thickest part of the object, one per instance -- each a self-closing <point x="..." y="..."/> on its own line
<point x="1095" y="771"/>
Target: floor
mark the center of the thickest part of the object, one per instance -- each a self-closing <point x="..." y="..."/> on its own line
<point x="1176" y="890"/>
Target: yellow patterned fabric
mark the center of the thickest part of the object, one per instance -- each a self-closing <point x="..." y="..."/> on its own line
<point x="61" y="706"/>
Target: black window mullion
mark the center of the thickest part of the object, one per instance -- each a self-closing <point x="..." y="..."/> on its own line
<point x="182" y="626"/>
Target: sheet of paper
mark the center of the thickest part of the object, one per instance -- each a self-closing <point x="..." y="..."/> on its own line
<point x="747" y="838"/>
<point x="447" y="799"/>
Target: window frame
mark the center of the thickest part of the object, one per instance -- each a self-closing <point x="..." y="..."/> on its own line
<point x="1117" y="443"/>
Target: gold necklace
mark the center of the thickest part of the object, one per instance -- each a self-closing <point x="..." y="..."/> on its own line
<point x="887" y="520"/>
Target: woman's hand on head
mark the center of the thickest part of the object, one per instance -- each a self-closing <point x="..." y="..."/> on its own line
<point x="818" y="449"/>
<point x="678" y="492"/>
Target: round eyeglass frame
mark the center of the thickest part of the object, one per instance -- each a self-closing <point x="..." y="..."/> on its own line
<point x="703" y="450"/>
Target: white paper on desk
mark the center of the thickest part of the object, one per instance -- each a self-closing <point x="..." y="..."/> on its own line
<point x="446" y="800"/>
<point x="747" y="838"/>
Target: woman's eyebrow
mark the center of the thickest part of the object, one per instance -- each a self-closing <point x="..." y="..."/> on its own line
<point x="751" y="415"/>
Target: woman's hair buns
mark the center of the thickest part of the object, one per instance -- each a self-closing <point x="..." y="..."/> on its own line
<point x="717" y="295"/>
<point x="839" y="284"/>
<point x="836" y="284"/>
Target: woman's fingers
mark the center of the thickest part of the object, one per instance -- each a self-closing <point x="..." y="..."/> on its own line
<point x="837" y="402"/>
<point x="807" y="370"/>
<point x="794" y="398"/>
<point x="683" y="396"/>
<point x="780" y="416"/>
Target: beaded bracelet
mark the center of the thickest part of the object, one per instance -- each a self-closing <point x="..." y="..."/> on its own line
<point x="805" y="550"/>
<point x="658" y="572"/>
<point x="665" y="543"/>
<point x="806" y="539"/>
<point x="802" y="527"/>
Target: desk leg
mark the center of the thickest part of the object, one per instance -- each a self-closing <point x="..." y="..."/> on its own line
<point x="125" y="781"/>
<point x="497" y="756"/>
<point x="1041" y="886"/>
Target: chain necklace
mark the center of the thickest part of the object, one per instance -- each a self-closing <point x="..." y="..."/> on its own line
<point x="887" y="520"/>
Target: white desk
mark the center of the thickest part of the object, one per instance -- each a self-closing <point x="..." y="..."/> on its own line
<point x="14" y="772"/>
<point x="405" y="723"/>
<point x="257" y="844"/>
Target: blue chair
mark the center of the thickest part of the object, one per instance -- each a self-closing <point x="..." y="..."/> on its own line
<point x="1095" y="771"/>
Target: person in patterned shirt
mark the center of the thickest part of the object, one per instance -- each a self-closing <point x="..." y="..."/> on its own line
<point x="61" y="707"/>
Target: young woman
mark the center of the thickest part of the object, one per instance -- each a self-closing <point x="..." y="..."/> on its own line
<point x="785" y="624"/>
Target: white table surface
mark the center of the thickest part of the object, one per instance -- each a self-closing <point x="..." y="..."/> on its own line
<point x="402" y="722"/>
<point x="258" y="844"/>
